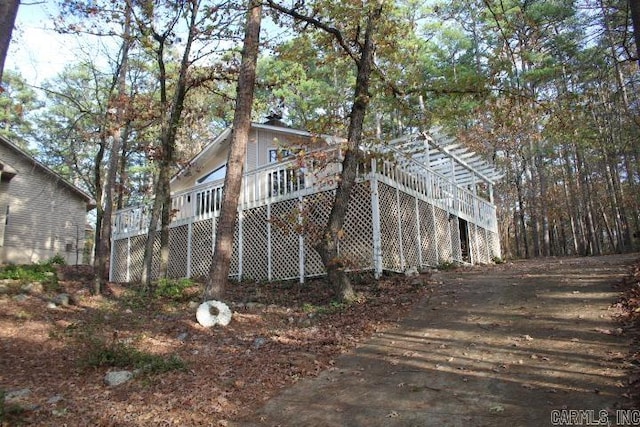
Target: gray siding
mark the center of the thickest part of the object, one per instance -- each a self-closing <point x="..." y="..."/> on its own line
<point x="45" y="216"/>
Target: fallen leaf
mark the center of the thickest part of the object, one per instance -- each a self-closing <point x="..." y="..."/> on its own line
<point x="496" y="408"/>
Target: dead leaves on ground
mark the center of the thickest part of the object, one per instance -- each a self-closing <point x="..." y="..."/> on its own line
<point x="280" y="333"/>
<point x="629" y="305"/>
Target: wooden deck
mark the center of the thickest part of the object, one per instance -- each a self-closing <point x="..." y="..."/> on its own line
<point x="403" y="214"/>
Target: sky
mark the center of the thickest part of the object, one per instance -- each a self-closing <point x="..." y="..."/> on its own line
<point x="36" y="50"/>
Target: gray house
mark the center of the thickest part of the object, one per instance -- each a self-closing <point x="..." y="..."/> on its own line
<point x="420" y="201"/>
<point x="41" y="214"/>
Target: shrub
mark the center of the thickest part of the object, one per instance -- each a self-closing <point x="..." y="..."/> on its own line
<point x="10" y="414"/>
<point x="122" y="355"/>
<point x="57" y="259"/>
<point x="173" y="289"/>
<point x="44" y="273"/>
<point x="446" y="266"/>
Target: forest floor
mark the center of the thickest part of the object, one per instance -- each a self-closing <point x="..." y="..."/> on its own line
<point x="504" y="344"/>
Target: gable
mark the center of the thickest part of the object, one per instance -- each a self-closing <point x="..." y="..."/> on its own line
<point x="13" y="159"/>
<point x="262" y="139"/>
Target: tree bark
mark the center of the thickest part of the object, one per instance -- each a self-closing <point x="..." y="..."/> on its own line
<point x="8" y="13"/>
<point x="328" y="246"/>
<point x="218" y="276"/>
<point x="115" y="118"/>
<point x="634" y="5"/>
<point x="169" y="130"/>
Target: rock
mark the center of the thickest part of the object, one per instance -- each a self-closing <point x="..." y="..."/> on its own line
<point x="254" y="306"/>
<point x="3" y="288"/>
<point x="259" y="342"/>
<point x="54" y="399"/>
<point x="63" y="299"/>
<point x="21" y="298"/>
<point x="51" y="305"/>
<point x="116" y="378"/>
<point x="193" y="304"/>
<point x="32" y="288"/>
<point x="183" y="336"/>
<point x="411" y="272"/>
<point x="16" y="394"/>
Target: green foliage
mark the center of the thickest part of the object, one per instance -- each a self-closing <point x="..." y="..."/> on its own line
<point x="173" y="289"/>
<point x="447" y="266"/>
<point x="137" y="297"/>
<point x="332" y="307"/>
<point x="497" y="260"/>
<point x="17" y="103"/>
<point x="44" y="273"/>
<point x="57" y="259"/>
<point x="9" y="414"/>
<point x="121" y="355"/>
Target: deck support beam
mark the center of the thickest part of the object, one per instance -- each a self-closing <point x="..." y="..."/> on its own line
<point x="375" y="220"/>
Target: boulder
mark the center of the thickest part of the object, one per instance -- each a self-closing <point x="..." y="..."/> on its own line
<point x="116" y="378"/>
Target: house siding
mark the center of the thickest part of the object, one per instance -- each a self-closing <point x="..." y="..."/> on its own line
<point x="257" y="155"/>
<point x="45" y="216"/>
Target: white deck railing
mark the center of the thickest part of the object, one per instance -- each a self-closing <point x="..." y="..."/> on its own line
<point x="296" y="178"/>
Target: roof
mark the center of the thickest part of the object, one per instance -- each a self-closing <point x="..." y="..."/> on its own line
<point x="447" y="157"/>
<point x="77" y="191"/>
<point x="212" y="147"/>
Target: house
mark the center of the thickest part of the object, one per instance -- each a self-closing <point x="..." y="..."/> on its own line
<point x="419" y="201"/>
<point x="41" y="214"/>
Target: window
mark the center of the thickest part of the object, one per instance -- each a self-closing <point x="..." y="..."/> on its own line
<point x="4" y="221"/>
<point x="278" y="154"/>
<point x="214" y="175"/>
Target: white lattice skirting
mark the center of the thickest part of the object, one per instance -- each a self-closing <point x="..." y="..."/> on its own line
<point x="387" y="228"/>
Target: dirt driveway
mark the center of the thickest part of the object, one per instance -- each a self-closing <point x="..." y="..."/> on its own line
<point x="518" y="344"/>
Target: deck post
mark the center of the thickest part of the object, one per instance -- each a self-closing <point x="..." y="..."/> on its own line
<point x="419" y="236"/>
<point x="301" y="258"/>
<point x="435" y="232"/>
<point x="129" y="259"/>
<point x="240" y="242"/>
<point x="400" y="237"/>
<point x="189" y="246"/>
<point x="111" y="256"/>
<point x="269" y="254"/>
<point x="375" y="220"/>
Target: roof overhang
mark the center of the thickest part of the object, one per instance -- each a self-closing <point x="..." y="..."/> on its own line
<point x="7" y="172"/>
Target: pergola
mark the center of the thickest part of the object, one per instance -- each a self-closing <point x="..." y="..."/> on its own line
<point x="449" y="158"/>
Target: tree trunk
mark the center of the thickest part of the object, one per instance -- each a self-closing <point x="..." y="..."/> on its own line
<point x="97" y="176"/>
<point x="221" y="261"/>
<point x="147" y="263"/>
<point x="8" y="13"/>
<point x="328" y="246"/>
<point x="115" y="118"/>
<point x="521" y="216"/>
<point x="170" y="123"/>
<point x="634" y="5"/>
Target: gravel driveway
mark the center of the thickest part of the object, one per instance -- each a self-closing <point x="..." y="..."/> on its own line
<point x="529" y="343"/>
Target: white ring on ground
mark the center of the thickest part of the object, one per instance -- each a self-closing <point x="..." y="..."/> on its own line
<point x="205" y="318"/>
